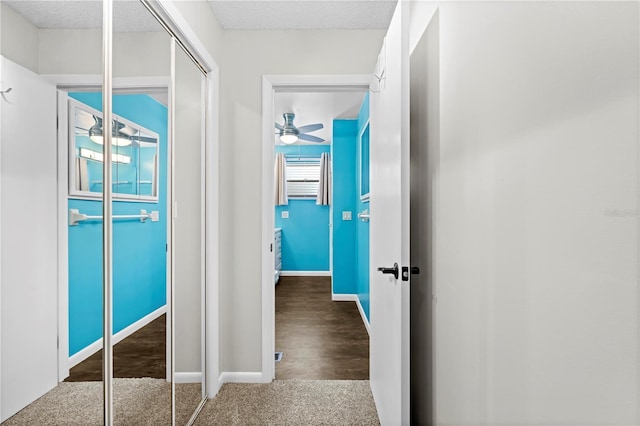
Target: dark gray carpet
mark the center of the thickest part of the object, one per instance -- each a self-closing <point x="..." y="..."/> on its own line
<point x="292" y="402"/>
<point x="137" y="402"/>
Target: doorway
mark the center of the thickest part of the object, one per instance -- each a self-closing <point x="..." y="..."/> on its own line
<point x="312" y="271"/>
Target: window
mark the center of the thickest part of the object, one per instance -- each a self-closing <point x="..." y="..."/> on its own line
<point x="303" y="177"/>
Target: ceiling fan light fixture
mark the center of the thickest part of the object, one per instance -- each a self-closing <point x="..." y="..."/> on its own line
<point x="95" y="134"/>
<point x="289" y="139"/>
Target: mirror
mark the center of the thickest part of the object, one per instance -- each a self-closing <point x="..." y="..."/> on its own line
<point x="55" y="375"/>
<point x="364" y="164"/>
<point x="141" y="265"/>
<point x="134" y="157"/>
<point x="189" y="234"/>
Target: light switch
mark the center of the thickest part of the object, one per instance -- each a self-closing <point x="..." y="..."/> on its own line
<point x="284" y="214"/>
<point x="346" y="215"/>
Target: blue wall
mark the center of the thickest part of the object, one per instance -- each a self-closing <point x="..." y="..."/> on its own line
<point x="362" y="228"/>
<point x="139" y="249"/>
<point x="344" y="199"/>
<point x="350" y="238"/>
<point x="305" y="234"/>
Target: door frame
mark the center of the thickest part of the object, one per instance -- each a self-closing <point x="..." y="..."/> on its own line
<point x="270" y="85"/>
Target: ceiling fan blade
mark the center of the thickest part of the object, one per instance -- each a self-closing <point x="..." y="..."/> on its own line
<point x="310" y="128"/>
<point x="127" y="130"/>
<point x="145" y="139"/>
<point x="310" y="138"/>
<point x="279" y="126"/>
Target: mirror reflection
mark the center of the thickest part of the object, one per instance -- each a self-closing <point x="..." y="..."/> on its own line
<point x="134" y="157"/>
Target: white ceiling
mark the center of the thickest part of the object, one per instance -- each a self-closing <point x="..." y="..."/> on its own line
<point x="131" y="16"/>
<point x="311" y="108"/>
<point x="303" y="14"/>
<point x="128" y="15"/>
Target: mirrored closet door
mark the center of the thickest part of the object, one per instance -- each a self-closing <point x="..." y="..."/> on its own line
<point x="141" y="72"/>
<point x="189" y="232"/>
<point x="93" y="251"/>
<point x="51" y="284"/>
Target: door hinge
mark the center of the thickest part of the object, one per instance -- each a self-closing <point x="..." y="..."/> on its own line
<point x="271" y="247"/>
<point x="166" y="248"/>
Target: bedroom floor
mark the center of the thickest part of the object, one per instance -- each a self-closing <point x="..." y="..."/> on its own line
<point x="321" y="339"/>
<point x="140" y="355"/>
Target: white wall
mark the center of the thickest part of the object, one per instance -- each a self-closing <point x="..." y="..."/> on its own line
<point x="134" y="54"/>
<point x="536" y="273"/>
<point x="19" y="39"/>
<point x="247" y="56"/>
<point x="203" y="23"/>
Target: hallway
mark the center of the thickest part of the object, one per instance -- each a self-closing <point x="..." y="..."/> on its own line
<point x="321" y="339"/>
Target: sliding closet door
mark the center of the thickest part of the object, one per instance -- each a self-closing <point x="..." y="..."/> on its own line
<point x="51" y="281"/>
<point x="140" y="118"/>
<point x="188" y="235"/>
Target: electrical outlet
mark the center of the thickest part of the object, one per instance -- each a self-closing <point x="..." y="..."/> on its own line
<point x="346" y="215"/>
<point x="284" y="214"/>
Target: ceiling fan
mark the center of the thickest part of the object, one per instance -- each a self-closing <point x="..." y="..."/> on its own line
<point x="290" y="134"/>
<point x="122" y="135"/>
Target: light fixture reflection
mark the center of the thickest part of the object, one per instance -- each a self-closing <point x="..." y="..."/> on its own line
<point x="117" y="138"/>
<point x="289" y="139"/>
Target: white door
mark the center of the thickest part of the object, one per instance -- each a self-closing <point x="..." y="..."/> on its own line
<point x="389" y="228"/>
<point x="28" y="281"/>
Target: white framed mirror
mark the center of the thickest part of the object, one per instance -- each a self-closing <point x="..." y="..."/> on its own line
<point x="134" y="158"/>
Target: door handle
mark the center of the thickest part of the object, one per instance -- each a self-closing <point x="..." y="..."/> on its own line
<point x="405" y="272"/>
<point x="393" y="271"/>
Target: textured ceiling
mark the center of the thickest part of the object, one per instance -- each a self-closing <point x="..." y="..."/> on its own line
<point x="128" y="15"/>
<point x="301" y="15"/>
<point x="311" y="108"/>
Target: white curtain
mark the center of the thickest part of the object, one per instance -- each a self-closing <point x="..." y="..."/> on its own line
<point x="280" y="180"/>
<point x="324" y="187"/>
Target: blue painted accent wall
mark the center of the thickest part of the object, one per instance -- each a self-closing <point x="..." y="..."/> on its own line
<point x="139" y="249"/>
<point x="362" y="228"/>
<point x="305" y="234"/>
<point x="343" y="154"/>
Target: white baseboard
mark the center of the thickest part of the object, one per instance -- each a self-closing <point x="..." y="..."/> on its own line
<point x="190" y="377"/>
<point x="85" y="353"/>
<point x="305" y="273"/>
<point x="344" y="297"/>
<point x="352" y="298"/>
<point x="240" y="377"/>
<point x="364" y="317"/>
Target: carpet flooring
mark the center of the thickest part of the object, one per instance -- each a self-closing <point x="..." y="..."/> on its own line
<point x="138" y="402"/>
<point x="292" y="402"/>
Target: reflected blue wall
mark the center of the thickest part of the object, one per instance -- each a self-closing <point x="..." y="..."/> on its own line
<point x="139" y="249"/>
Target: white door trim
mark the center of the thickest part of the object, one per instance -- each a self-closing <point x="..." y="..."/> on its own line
<point x="271" y="84"/>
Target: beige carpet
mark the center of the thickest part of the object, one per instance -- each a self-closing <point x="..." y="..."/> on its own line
<point x="137" y="402"/>
<point x="292" y="402"/>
